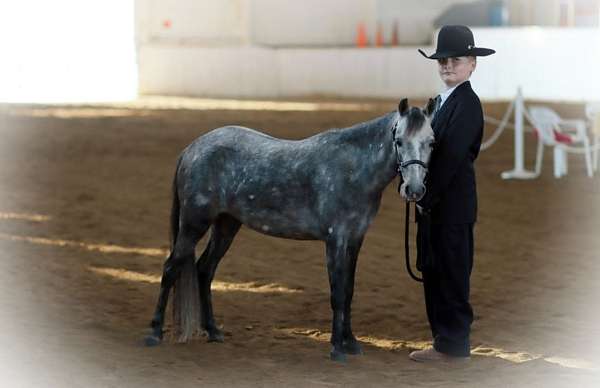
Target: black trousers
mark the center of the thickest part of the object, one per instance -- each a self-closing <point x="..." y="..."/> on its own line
<point x="446" y="281"/>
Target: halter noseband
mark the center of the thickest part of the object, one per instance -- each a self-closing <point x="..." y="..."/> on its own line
<point x="402" y="165"/>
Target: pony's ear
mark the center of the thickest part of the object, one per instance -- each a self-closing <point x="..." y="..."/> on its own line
<point x="430" y="107"/>
<point x="403" y="107"/>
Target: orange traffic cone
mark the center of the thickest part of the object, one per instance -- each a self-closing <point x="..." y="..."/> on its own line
<point x="395" y="39"/>
<point x="361" y="35"/>
<point x="379" y="36"/>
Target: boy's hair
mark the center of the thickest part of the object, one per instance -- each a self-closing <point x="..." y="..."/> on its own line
<point x="474" y="59"/>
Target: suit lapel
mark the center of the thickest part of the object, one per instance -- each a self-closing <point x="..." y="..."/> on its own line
<point x="440" y="121"/>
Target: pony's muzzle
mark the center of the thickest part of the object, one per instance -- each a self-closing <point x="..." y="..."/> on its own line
<point x="412" y="192"/>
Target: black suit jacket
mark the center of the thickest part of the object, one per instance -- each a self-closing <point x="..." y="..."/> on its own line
<point x="451" y="194"/>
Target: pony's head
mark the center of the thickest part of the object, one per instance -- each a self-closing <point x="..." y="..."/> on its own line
<point x="413" y="143"/>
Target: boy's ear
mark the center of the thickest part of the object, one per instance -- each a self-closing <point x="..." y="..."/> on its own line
<point x="403" y="107"/>
<point x="430" y="107"/>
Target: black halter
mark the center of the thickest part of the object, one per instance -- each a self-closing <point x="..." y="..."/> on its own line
<point x="402" y="165"/>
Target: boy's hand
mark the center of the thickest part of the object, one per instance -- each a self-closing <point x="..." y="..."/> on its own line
<point x="422" y="210"/>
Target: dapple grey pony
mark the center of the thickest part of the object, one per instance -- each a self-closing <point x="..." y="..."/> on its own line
<point x="326" y="187"/>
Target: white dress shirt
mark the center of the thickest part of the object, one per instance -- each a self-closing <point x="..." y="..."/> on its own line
<point x="445" y="94"/>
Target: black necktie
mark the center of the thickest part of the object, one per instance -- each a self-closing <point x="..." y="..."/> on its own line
<point x="438" y="104"/>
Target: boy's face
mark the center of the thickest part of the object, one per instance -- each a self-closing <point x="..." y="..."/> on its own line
<point x="456" y="69"/>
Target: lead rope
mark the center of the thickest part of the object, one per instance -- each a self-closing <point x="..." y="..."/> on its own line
<point x="406" y="248"/>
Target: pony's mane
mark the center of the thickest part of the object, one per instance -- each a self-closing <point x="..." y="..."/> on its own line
<point x="374" y="128"/>
<point x="364" y="131"/>
<point x="415" y="120"/>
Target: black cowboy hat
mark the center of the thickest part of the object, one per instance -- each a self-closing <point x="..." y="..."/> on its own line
<point x="457" y="41"/>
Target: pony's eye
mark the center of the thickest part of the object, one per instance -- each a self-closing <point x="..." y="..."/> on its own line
<point x="399" y="143"/>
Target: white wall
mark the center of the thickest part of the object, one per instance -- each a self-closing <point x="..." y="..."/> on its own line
<point x="415" y="18"/>
<point x="308" y="22"/>
<point x="559" y="64"/>
<point x="284" y="23"/>
<point x="208" y="71"/>
<point x="316" y="23"/>
<point x="549" y="63"/>
<point x="392" y="72"/>
<point x="275" y="48"/>
<point x="266" y="72"/>
<point x="205" y="22"/>
<point x="334" y="22"/>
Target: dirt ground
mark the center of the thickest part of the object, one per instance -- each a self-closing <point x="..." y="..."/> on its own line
<point x="84" y="207"/>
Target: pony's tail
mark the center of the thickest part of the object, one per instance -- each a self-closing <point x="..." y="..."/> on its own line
<point x="186" y="300"/>
<point x="175" y="209"/>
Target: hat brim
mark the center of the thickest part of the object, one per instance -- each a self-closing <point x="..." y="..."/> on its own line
<point x="475" y="52"/>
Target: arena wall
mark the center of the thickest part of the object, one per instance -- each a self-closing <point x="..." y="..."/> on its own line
<point x="277" y="23"/>
<point x="264" y="72"/>
<point x="269" y="48"/>
<point x="549" y="63"/>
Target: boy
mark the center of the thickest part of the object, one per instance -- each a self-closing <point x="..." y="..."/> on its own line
<point x="448" y="210"/>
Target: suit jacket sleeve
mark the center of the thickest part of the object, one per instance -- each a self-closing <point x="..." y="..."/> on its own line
<point x="460" y="139"/>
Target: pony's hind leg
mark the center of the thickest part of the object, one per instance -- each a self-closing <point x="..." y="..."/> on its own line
<point x="223" y="231"/>
<point x="183" y="250"/>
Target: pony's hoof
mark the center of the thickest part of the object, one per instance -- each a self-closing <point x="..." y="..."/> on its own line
<point x="215" y="335"/>
<point x="337" y="356"/>
<point x="152" y="340"/>
<point x="352" y="347"/>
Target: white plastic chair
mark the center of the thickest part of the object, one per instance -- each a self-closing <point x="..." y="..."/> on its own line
<point x="554" y="131"/>
<point x="592" y="111"/>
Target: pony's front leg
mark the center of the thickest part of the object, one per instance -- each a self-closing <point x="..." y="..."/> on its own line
<point x="337" y="267"/>
<point x="350" y="343"/>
